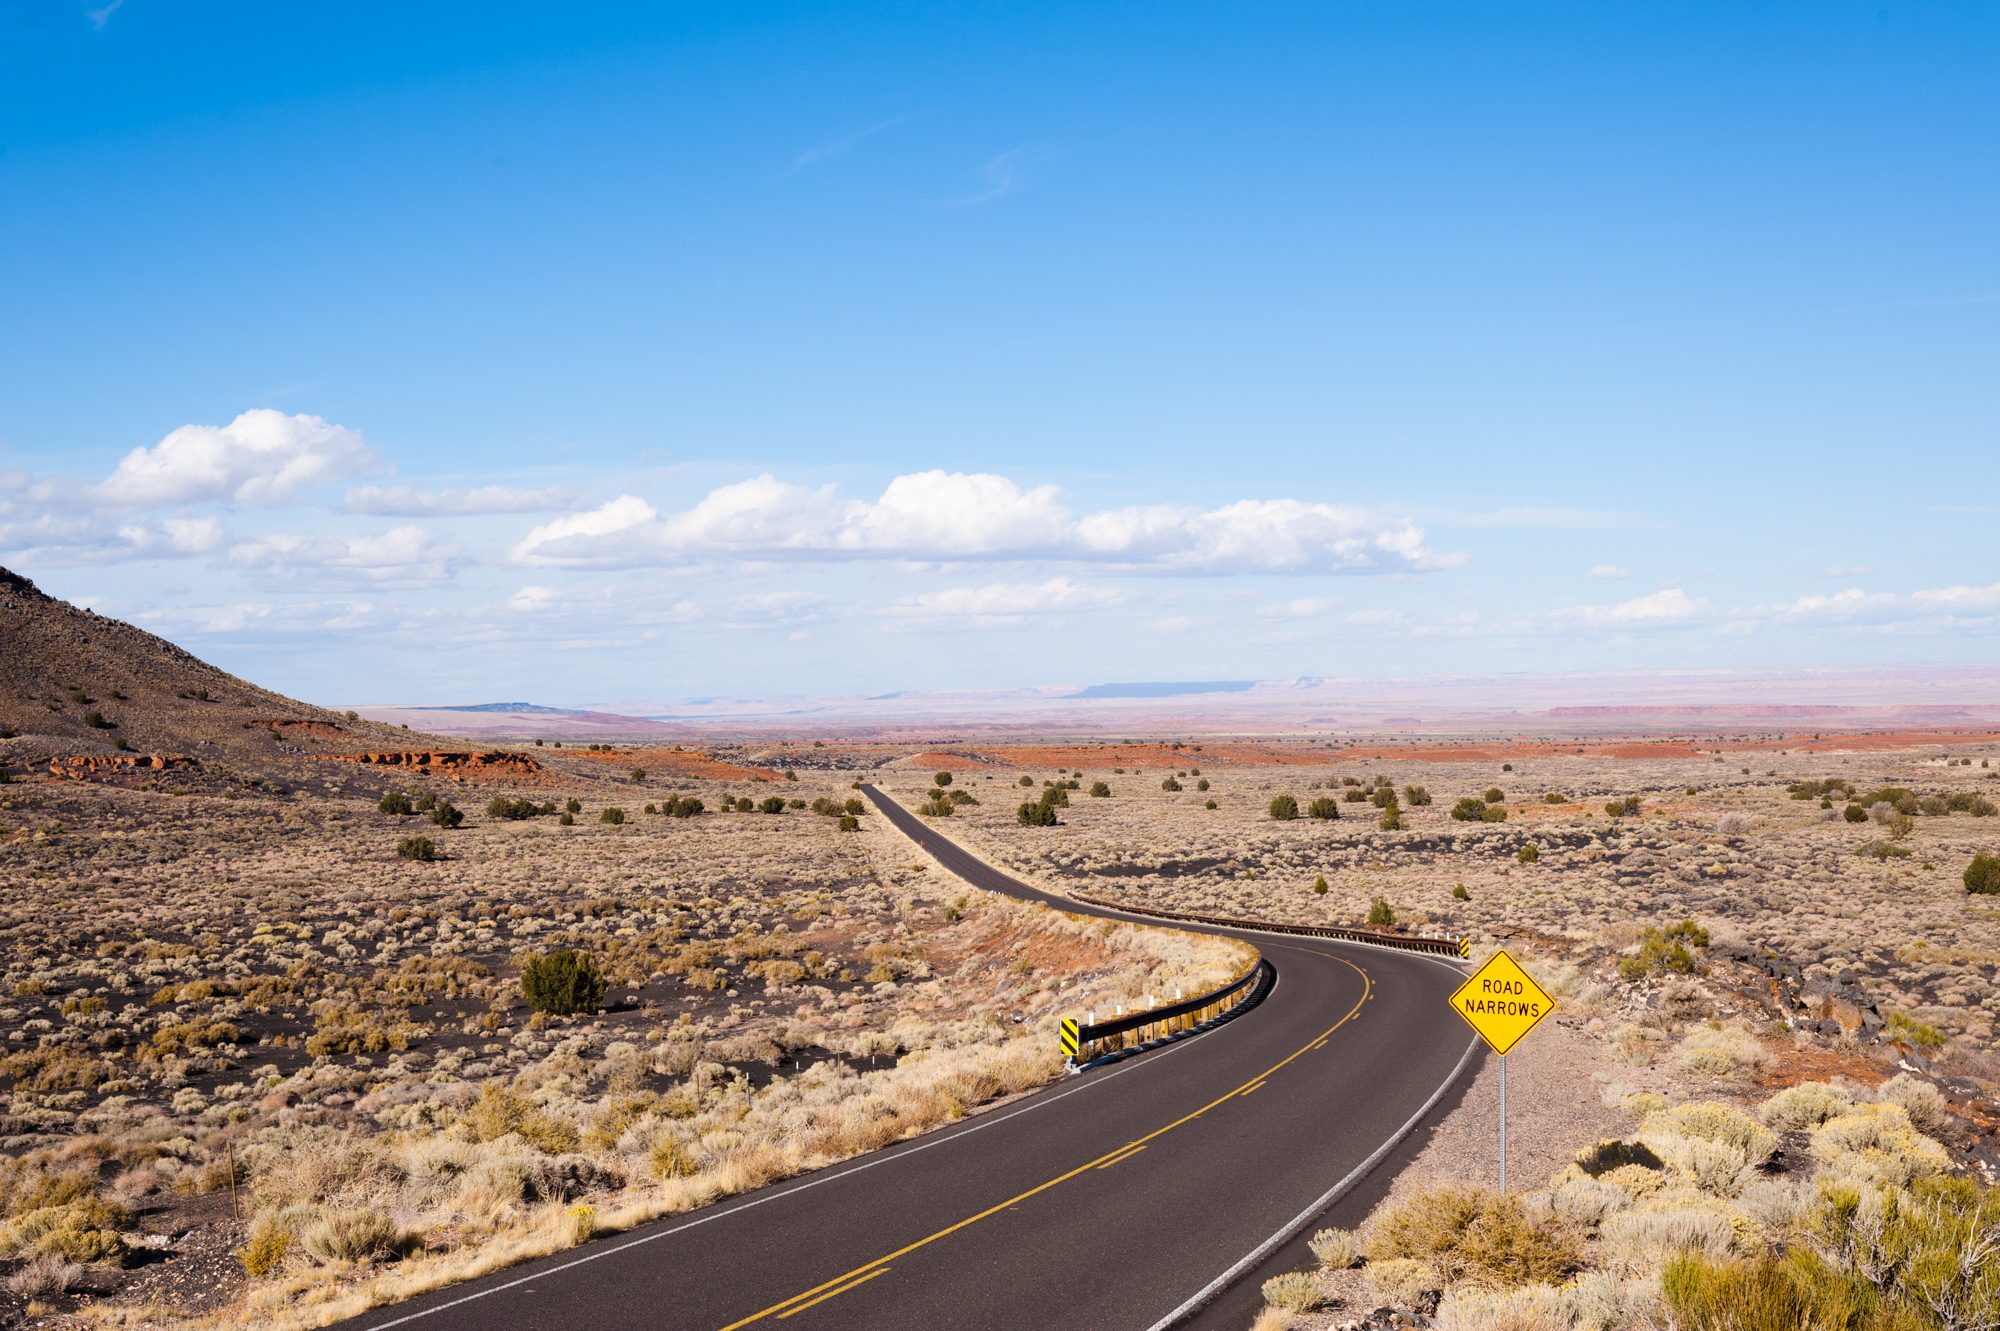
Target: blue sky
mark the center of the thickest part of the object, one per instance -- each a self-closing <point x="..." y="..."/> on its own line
<point x="599" y="353"/>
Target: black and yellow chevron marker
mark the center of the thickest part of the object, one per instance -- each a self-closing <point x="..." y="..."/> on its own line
<point x="1069" y="1037"/>
<point x="1465" y="947"/>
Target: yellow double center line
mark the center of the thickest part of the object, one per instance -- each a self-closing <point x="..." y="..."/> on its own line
<point x="867" y="1271"/>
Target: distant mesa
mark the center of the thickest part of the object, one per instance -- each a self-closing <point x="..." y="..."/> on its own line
<point x="512" y="708"/>
<point x="1166" y="689"/>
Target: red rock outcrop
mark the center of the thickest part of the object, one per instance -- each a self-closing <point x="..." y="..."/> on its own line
<point x="459" y="766"/>
<point x="82" y="766"/>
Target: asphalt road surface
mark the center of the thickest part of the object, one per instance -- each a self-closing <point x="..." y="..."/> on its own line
<point x="1154" y="1191"/>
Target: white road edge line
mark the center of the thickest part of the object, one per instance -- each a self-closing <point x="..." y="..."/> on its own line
<point x="1291" y="1227"/>
<point x="831" y="1174"/>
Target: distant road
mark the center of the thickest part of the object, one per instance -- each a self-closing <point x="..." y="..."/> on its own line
<point x="1142" y="1194"/>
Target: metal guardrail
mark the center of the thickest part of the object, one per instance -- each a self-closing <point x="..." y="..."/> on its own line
<point x="1441" y="947"/>
<point x="1085" y="1040"/>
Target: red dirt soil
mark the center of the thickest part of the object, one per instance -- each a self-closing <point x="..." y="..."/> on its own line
<point x="1087" y="756"/>
<point x="681" y="762"/>
<point x="1507" y="750"/>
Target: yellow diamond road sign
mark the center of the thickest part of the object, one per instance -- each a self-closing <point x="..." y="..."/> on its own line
<point x="1502" y="1002"/>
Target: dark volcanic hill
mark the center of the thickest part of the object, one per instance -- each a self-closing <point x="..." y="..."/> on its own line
<point x="96" y="698"/>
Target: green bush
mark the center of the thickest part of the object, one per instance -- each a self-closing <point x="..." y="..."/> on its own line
<point x="1319" y="886"/>
<point x="1027" y="780"/>
<point x="1458" y="893"/>
<point x="1201" y="784"/>
<point x="611" y="814"/>
<point x="772" y="804"/>
<point x="1416" y="796"/>
<point x="1629" y="805"/>
<point x="1034" y="813"/>
<point x="1854" y="813"/>
<point x="1170" y="784"/>
<point x="1323" y="807"/>
<point x="1495" y="795"/>
<point x="1528" y="854"/>
<point x="1380" y="914"/>
<point x="942" y="778"/>
<point x="1665" y="951"/>
<point x="849" y="823"/>
<point x="1555" y="797"/>
<point x="446" y="814"/>
<point x="1100" y="790"/>
<point x="396" y="802"/>
<point x="1982" y="876"/>
<point x="515" y="810"/>
<point x="562" y="983"/>
<point x="1284" y="808"/>
<point x="1391" y="819"/>
<point x="1469" y="810"/>
<point x="420" y="848"/>
<point x="569" y="806"/>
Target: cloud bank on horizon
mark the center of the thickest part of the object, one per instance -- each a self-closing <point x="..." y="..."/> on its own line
<point x="676" y="351"/>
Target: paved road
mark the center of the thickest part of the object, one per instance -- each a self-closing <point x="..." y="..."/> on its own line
<point x="1117" y="1199"/>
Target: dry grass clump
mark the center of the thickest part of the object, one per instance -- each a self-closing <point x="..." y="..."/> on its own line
<point x="1468" y="1236"/>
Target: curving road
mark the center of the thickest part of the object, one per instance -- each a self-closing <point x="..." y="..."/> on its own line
<point x="1152" y="1192"/>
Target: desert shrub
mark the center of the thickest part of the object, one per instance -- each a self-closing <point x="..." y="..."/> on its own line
<point x="1170" y="784"/>
<point x="1416" y="796"/>
<point x="395" y="801"/>
<point x="1876" y="1144"/>
<point x="1056" y="795"/>
<point x="1528" y="853"/>
<point x="1620" y="808"/>
<point x="1034" y="813"/>
<point x="499" y="1111"/>
<point x="45" y="1277"/>
<point x="1663" y="951"/>
<point x="849" y="823"/>
<point x="1391" y="819"/>
<point x="1901" y="1025"/>
<point x="446" y="814"/>
<point x="515" y="810"/>
<point x="1928" y="1249"/>
<point x="1469" y="810"/>
<point x="1468" y="1234"/>
<point x="419" y="848"/>
<point x="1284" y="808"/>
<point x="1720" y="1051"/>
<point x="1402" y="1280"/>
<point x="1100" y="790"/>
<point x="98" y="721"/>
<point x="1319" y="886"/>
<point x="1336" y="1249"/>
<point x="571" y="805"/>
<point x="1929" y="1111"/>
<point x="1555" y="797"/>
<point x="1884" y="851"/>
<point x="1380" y="914"/>
<point x="562" y="983"/>
<point x="1323" y="807"/>
<point x="937" y="808"/>
<point x="566" y="819"/>
<point x="1201" y="784"/>
<point x="1495" y="795"/>
<point x="615" y="815"/>
<point x="1458" y="893"/>
<point x="638" y="775"/>
<point x="1806" y="1105"/>
<point x="1982" y="876"/>
<point x="72" y="1222"/>
<point x="942" y="779"/>
<point x="1384" y="797"/>
<point x="1770" y="1293"/>
<point x="351" y="1236"/>
<point x="270" y="1241"/>
<point x="1294" y="1291"/>
<point x="1854" y="813"/>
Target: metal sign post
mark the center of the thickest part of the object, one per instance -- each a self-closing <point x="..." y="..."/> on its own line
<point x="1502" y="1003"/>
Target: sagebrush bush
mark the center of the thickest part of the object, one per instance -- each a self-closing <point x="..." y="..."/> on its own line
<point x="1294" y="1291"/>
<point x="351" y="1236"/>
<point x="1284" y="808"/>
<point x="419" y="848"/>
<point x="1982" y="876"/>
<point x="396" y="802"/>
<point x="1468" y="1234"/>
<point x="1323" y="807"/>
<point x="1806" y="1105"/>
<point x="563" y="983"/>
<point x="1336" y="1249"/>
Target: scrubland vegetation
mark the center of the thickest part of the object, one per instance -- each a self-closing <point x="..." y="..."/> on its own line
<point x="312" y="1069"/>
<point x="1797" y="1026"/>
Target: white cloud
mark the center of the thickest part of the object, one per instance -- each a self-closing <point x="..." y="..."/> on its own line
<point x="1006" y="600"/>
<point x="1608" y="571"/>
<point x="399" y="557"/>
<point x="173" y="536"/>
<point x="1174" y="624"/>
<point x="409" y="501"/>
<point x="943" y="516"/>
<point x="1669" y="606"/>
<point x="263" y="456"/>
<point x="1304" y="607"/>
<point x="531" y="599"/>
